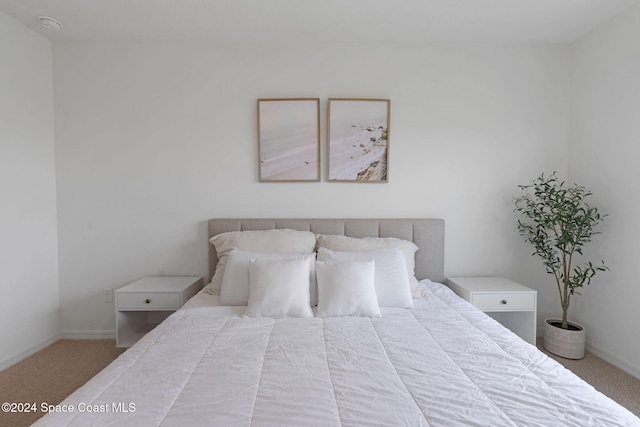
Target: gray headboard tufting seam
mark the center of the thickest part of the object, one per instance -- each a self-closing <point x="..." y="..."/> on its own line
<point x="427" y="233"/>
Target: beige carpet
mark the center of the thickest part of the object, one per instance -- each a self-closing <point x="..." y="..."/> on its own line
<point x="52" y="374"/>
<point x="55" y="372"/>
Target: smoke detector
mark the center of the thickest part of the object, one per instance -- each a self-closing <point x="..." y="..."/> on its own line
<point x="49" y="23"/>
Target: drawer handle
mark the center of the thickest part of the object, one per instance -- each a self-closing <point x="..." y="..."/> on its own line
<point x="147" y="301"/>
<point x="504" y="301"/>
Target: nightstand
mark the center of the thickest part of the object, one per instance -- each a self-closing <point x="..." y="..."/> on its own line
<point x="508" y="302"/>
<point x="145" y="303"/>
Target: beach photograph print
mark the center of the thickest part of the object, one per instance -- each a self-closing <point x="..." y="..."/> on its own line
<point x="358" y="140"/>
<point x="289" y="139"/>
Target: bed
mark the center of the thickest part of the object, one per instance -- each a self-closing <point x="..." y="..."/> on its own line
<point x="441" y="362"/>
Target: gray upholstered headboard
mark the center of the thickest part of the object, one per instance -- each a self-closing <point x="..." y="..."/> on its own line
<point x="427" y="233"/>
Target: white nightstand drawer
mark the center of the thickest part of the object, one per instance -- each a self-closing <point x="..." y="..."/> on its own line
<point x="504" y="301"/>
<point x="148" y="301"/>
<point x="143" y="304"/>
<point x="508" y="302"/>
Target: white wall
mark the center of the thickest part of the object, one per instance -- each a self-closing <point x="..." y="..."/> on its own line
<point x="605" y="149"/>
<point x="154" y="139"/>
<point x="29" y="299"/>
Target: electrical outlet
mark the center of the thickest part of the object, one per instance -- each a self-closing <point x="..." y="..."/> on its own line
<point x="107" y="295"/>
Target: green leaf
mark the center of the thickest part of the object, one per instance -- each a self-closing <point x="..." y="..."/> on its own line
<point x="558" y="222"/>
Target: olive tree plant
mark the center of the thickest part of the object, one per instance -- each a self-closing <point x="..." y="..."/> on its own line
<point x="558" y="222"/>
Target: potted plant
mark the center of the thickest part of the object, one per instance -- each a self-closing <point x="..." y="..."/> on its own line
<point x="558" y="222"/>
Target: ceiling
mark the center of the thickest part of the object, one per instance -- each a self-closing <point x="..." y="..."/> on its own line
<point x="323" y="21"/>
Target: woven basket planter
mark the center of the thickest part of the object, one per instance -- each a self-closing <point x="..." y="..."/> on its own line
<point x="567" y="343"/>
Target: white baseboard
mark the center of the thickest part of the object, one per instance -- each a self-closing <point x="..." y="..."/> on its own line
<point x="80" y="334"/>
<point x="18" y="356"/>
<point x="616" y="361"/>
<point x="70" y="334"/>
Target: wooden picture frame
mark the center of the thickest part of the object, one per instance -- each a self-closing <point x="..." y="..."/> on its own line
<point x="289" y="139"/>
<point x="358" y="134"/>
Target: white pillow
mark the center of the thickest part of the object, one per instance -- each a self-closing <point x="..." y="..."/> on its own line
<point x="279" y="288"/>
<point x="235" y="282"/>
<point x="391" y="278"/>
<point x="345" y="244"/>
<point x="276" y="241"/>
<point x="347" y="289"/>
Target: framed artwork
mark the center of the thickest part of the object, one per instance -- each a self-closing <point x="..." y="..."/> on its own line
<point x="289" y="139"/>
<point x="358" y="140"/>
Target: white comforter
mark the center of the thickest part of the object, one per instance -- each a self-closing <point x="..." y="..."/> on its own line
<point x="443" y="363"/>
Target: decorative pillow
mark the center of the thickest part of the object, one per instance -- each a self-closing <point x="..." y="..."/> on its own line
<point x="344" y="243"/>
<point x="347" y="289"/>
<point x="391" y="278"/>
<point x="235" y="282"/>
<point x="274" y="241"/>
<point x="279" y="288"/>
